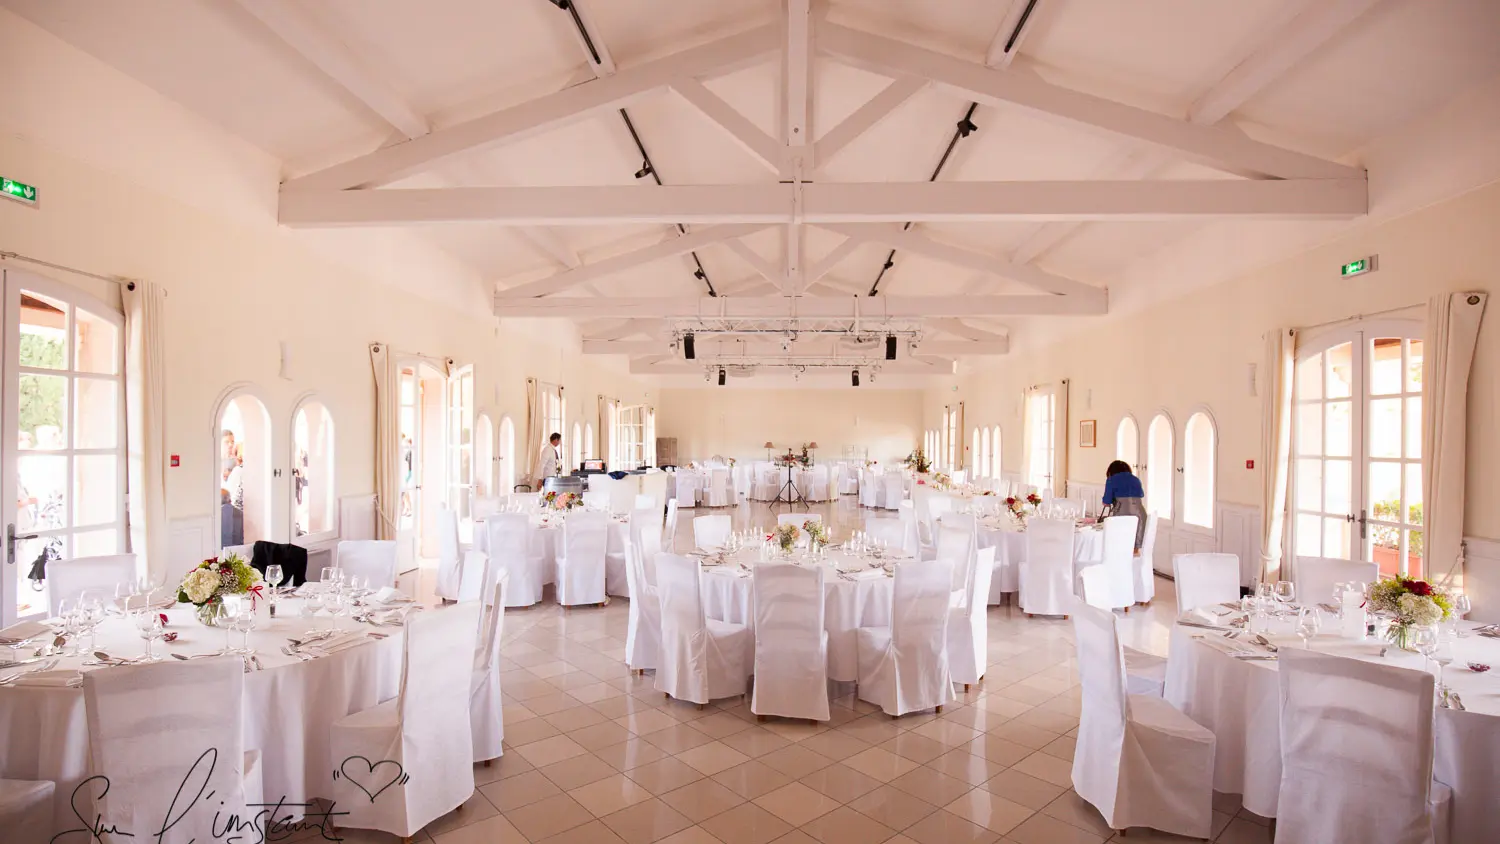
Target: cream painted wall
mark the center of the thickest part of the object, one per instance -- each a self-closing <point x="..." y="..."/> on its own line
<point x="735" y="422"/>
<point x="1195" y="351"/>
<point x="117" y="165"/>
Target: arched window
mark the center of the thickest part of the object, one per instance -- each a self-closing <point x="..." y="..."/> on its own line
<point x="995" y="465"/>
<point x="974" y="450"/>
<point x="242" y="472"/>
<point x="1199" y="452"/>
<point x="1128" y="442"/>
<point x="507" y="455"/>
<point x="982" y="452"/>
<point x="1160" y="464"/>
<point x="588" y="441"/>
<point x="313" y="497"/>
<point x="577" y="445"/>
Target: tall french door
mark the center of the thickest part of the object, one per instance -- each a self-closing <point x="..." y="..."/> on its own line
<point x="1357" y="447"/>
<point x="62" y="409"/>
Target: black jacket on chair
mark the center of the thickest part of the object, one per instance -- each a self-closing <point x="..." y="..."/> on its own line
<point x="291" y="558"/>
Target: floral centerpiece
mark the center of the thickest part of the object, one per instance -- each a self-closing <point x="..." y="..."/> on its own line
<point x="565" y="501"/>
<point x="205" y="586"/>
<point x="785" y="537"/>
<point x="817" y="533"/>
<point x="1411" y="603"/>
<point x="1022" y="508"/>
<point x="941" y="481"/>
<point x="917" y="461"/>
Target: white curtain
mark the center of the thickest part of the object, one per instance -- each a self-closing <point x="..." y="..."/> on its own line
<point x="1452" y="330"/>
<point x="1027" y="427"/>
<point x="1060" y="440"/>
<point x="387" y="439"/>
<point x="532" y="438"/>
<point x="145" y="417"/>
<point x="1276" y="446"/>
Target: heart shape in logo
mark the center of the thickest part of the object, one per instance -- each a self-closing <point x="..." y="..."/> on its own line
<point x="354" y="777"/>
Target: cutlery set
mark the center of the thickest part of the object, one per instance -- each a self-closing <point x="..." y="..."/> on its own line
<point x="10" y="678"/>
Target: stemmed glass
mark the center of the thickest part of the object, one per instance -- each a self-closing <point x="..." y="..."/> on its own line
<point x="229" y="606"/>
<point x="239" y="611"/>
<point x="1285" y="592"/>
<point x="1442" y="654"/>
<point x="90" y="614"/>
<point x="330" y="576"/>
<point x="148" y="625"/>
<point x="1308" y="625"/>
<point x="1425" y="640"/>
<point x="124" y="592"/>
<point x="274" y="576"/>
<point x="333" y="601"/>
<point x="1461" y="607"/>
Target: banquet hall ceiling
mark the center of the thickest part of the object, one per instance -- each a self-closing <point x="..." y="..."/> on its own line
<point x="1246" y="112"/>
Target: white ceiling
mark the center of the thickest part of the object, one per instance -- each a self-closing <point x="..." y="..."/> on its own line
<point x="1386" y="63"/>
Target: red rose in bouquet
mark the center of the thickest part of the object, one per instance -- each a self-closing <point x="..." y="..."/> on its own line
<point x="1419" y="587"/>
<point x="1010" y="501"/>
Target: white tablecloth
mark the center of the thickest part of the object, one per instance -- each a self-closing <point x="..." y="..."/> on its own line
<point x="289" y="707"/>
<point x="728" y="595"/>
<point x="1239" y="701"/>
<point x="1010" y="552"/>
<point x="545" y="534"/>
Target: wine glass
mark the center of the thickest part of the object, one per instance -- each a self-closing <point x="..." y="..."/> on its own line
<point x="1425" y="640"/>
<point x="1462" y="606"/>
<point x="90" y="610"/>
<point x="333" y="602"/>
<point x="242" y="620"/>
<point x="274" y="576"/>
<point x="148" y="626"/>
<point x="329" y="576"/>
<point x="1308" y="625"/>
<point x="1285" y="592"/>
<point x="229" y="607"/>
<point x="1442" y="654"/>
<point x="124" y="592"/>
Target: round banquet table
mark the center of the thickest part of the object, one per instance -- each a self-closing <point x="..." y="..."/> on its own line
<point x="546" y="531"/>
<point x="290" y="706"/>
<point x="1009" y="543"/>
<point x="864" y="600"/>
<point x="1239" y="700"/>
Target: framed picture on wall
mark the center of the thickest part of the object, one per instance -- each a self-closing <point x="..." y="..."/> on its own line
<point x="1088" y="433"/>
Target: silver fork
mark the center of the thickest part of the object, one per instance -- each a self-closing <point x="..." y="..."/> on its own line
<point x="11" y="678"/>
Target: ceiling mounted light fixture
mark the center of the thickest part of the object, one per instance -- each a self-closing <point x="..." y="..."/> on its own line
<point x="722" y="376"/>
<point x="890" y="347"/>
<point x="854" y="377"/>
<point x="688" y="351"/>
<point x="645" y="170"/>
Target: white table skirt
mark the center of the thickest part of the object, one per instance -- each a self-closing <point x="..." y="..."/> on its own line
<point x="1010" y="553"/>
<point x="848" y="605"/>
<point x="545" y="563"/>
<point x="290" y="707"/>
<point x="1239" y="701"/>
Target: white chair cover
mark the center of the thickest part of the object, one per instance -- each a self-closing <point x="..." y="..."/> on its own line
<point x="1144" y="568"/>
<point x="669" y="531"/>
<point x="654" y="484"/>
<point x="1471" y="775"/>
<point x="956" y="546"/>
<point x="849" y="481"/>
<point x="416" y="730"/>
<point x="511" y="552"/>
<point x="450" y="571"/>
<point x="687" y="489"/>
<point x="580" y="558"/>
<point x="486" y="715"/>
<point x="904" y="668"/>
<point x="893" y="532"/>
<point x="710" y="532"/>
<point x="1138" y="760"/>
<point x="1315" y="577"/>
<point x="644" y="501"/>
<point x="720" y="492"/>
<point x="149" y="726"/>
<point x="485" y="506"/>
<point x="870" y="489"/>
<point x="791" y="643"/>
<point x="968" y="625"/>
<point x="596" y="496"/>
<point x="67" y="579"/>
<point x="374" y="559"/>
<point x="1357" y="753"/>
<point x="244" y="552"/>
<point x="622" y="494"/>
<point x="767" y="484"/>
<point x="1047" y="573"/>
<point x="643" y="630"/>
<point x="1206" y="579"/>
<point x="893" y="491"/>
<point x="816" y="480"/>
<point x="26" y="810"/>
<point x="1118" y="580"/>
<point x="701" y="659"/>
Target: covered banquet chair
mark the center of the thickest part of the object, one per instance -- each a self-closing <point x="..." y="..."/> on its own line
<point x="702" y="659"/>
<point x="791" y="643"/>
<point x="904" y="667"/>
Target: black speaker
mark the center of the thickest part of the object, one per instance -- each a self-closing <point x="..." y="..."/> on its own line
<point x="854" y="377"/>
<point x="890" y="347"/>
<point x="721" y="378"/>
<point x="687" y="347"/>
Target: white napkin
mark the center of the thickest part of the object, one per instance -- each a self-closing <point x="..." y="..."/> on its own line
<point x="21" y="631"/>
<point x="341" y="642"/>
<point x="54" y="679"/>
<point x="868" y="574"/>
<point x="1199" y="615"/>
<point x="389" y="595"/>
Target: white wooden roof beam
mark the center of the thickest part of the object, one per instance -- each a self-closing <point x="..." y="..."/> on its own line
<point x="337" y="62"/>
<point x="873" y="307"/>
<point x="605" y="64"/>
<point x="999" y="57"/>
<point x="668" y="248"/>
<point x="957" y="328"/>
<point x="884" y="202"/>
<point x="766" y="269"/>
<point x="543" y="114"/>
<point x="745" y="133"/>
<point x="753" y="346"/>
<point x="799" y="58"/>
<point x="626" y="328"/>
<point x="677" y="366"/>
<point x="1221" y="147"/>
<point x="866" y="117"/>
<point x="834" y="257"/>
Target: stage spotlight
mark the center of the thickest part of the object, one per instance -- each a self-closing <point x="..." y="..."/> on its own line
<point x="721" y="377"/>
<point x="688" y="352"/>
<point x="854" y="377"/>
<point x="890" y="347"/>
<point x="645" y="170"/>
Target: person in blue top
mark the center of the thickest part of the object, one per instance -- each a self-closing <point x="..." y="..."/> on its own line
<point x="1124" y="496"/>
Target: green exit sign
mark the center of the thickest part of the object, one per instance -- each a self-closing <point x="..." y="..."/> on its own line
<point x="1360" y="267"/>
<point x="18" y="191"/>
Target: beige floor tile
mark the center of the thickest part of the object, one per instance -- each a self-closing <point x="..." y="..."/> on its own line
<point x="595" y="692"/>
<point x="577" y="771"/>
<point x="872" y="729"/>
<point x="943" y="827"/>
<point x="1003" y="706"/>
<point x="746" y="823"/>
<point x="520" y="790"/>
<point x="1072" y="809"/>
<point x="841" y="782"/>
<point x="1025" y="735"/>
<point x="990" y="811"/>
<point x="510" y="764"/>
<point x="575" y="718"/>
<point x="1023" y="788"/>
<point x="891" y="807"/>
<point x="1049" y="768"/>
<point x="610" y="795"/>
<point x="551" y="669"/>
<point x="552" y="704"/>
<point x="645" y="721"/>
<point x="721" y="724"/>
<point x="793" y="730"/>
<point x="1042" y="829"/>
<point x="549" y="750"/>
<point x="846" y="826"/>
<point x="496" y="829"/>
<point x="514" y="713"/>
<point x="646" y="822"/>
<point x="755" y="742"/>
<point x="600" y="735"/>
<point x="931" y="785"/>
<point x="1242" y="831"/>
<point x="619" y="707"/>
<point x="630" y="754"/>
<point x="834" y="744"/>
<point x="998" y="750"/>
<point x="976" y="717"/>
<point x="664" y="775"/>
<point x="526" y="732"/>
<point x="880" y="763"/>
<point x="677" y="738"/>
<point x="796" y="804"/>
<point x="1062" y="747"/>
<point x="473" y="810"/>
<point x="949" y="734"/>
<point x="796" y="836"/>
<point x="593" y="832"/>
<point x="709" y="759"/>
<point x="751" y="779"/>
<point x="917" y="748"/>
<point x="795" y="761"/>
<point x="963" y="765"/>
<point x="691" y="835"/>
<point x="701" y="800"/>
<point x="546" y="818"/>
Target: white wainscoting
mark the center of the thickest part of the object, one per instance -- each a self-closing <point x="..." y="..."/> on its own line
<point x="1482" y="578"/>
<point x="190" y="541"/>
<point x="357" y="517"/>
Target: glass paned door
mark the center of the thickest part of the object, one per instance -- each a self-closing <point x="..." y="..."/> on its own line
<point x="1357" y="449"/>
<point x="63" y="414"/>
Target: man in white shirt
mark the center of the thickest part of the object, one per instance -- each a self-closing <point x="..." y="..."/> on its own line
<point x="549" y="462"/>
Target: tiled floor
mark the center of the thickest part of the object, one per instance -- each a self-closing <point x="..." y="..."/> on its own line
<point x="595" y="755"/>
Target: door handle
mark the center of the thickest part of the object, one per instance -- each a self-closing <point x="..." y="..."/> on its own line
<point x="11" y="538"/>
